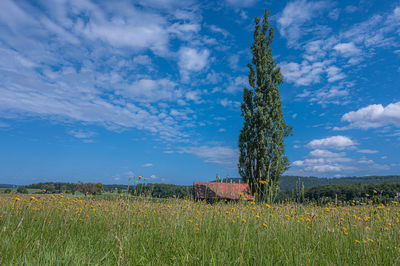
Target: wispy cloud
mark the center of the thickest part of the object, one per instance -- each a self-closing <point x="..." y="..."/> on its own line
<point x="367" y="151"/>
<point x="222" y="155"/>
<point x="296" y="14"/>
<point x="78" y="66"/>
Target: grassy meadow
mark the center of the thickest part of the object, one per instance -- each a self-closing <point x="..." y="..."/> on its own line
<point x="63" y="229"/>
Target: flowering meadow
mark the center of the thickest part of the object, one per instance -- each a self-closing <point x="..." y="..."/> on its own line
<point x="66" y="229"/>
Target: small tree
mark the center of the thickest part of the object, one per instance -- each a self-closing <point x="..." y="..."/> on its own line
<point x="49" y="187"/>
<point x="87" y="188"/>
<point x="262" y="157"/>
<point x="99" y="188"/>
<point x="22" y="190"/>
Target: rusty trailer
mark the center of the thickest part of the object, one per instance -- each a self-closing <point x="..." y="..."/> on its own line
<point x="212" y="191"/>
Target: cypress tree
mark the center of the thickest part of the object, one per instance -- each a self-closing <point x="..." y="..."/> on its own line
<point x="262" y="158"/>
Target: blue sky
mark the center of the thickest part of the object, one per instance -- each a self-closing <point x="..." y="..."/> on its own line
<point x="101" y="90"/>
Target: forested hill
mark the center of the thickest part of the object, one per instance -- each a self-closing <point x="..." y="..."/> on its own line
<point x="290" y="182"/>
<point x="287" y="183"/>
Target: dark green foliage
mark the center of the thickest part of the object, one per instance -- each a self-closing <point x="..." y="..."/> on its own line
<point x="7" y="191"/>
<point x="378" y="193"/>
<point x="261" y="141"/>
<point x="111" y="188"/>
<point x="55" y="187"/>
<point x="90" y="188"/>
<point x="22" y="190"/>
<point x="99" y="188"/>
<point x="162" y="190"/>
<point x="289" y="182"/>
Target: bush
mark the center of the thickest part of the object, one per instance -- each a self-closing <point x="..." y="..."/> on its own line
<point x="22" y="190"/>
<point x="90" y="188"/>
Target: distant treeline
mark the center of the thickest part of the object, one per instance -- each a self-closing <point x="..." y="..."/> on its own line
<point x="291" y="188"/>
<point x="378" y="193"/>
<point x="55" y="187"/>
<point x="292" y="182"/>
<point x="162" y="190"/>
<point x="154" y="190"/>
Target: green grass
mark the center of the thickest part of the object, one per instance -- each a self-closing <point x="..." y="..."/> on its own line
<point x="14" y="190"/>
<point x="67" y="230"/>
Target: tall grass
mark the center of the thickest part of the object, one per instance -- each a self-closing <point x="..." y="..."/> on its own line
<point x="61" y="229"/>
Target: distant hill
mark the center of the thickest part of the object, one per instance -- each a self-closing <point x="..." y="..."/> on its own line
<point x="290" y="182"/>
<point x="287" y="183"/>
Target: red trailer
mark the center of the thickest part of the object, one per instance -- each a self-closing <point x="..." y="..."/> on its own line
<point x="216" y="190"/>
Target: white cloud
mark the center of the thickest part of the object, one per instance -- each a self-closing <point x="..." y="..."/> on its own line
<point x="184" y="31"/>
<point x="351" y="9"/>
<point x="222" y="155"/>
<point x="334" y="14"/>
<point x="241" y="3"/>
<point x="334" y="74"/>
<point x="324" y="161"/>
<point x="233" y="61"/>
<point x="320" y="165"/>
<point x="334" y="95"/>
<point x="58" y="102"/>
<point x="377" y="31"/>
<point x="335" y="142"/>
<point x="147" y="90"/>
<point x="365" y="161"/>
<point x="142" y="60"/>
<point x="120" y="24"/>
<point x="165" y="4"/>
<point x="303" y="74"/>
<point x="87" y="62"/>
<point x="81" y="134"/>
<point x="237" y="84"/>
<point x="372" y="165"/>
<point x="147" y="165"/>
<point x="367" y="151"/>
<point x="229" y="103"/>
<point x="326" y="154"/>
<point x="217" y="29"/>
<point x="373" y="116"/>
<point x="347" y="49"/>
<point x="324" y="168"/>
<point x="314" y="50"/>
<point x="194" y="95"/>
<point x="192" y="60"/>
<point x="296" y="14"/>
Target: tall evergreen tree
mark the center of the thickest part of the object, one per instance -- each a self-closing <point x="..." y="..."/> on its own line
<point x="262" y="157"/>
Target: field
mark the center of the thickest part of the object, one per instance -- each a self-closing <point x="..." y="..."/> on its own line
<point x="63" y="229"/>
